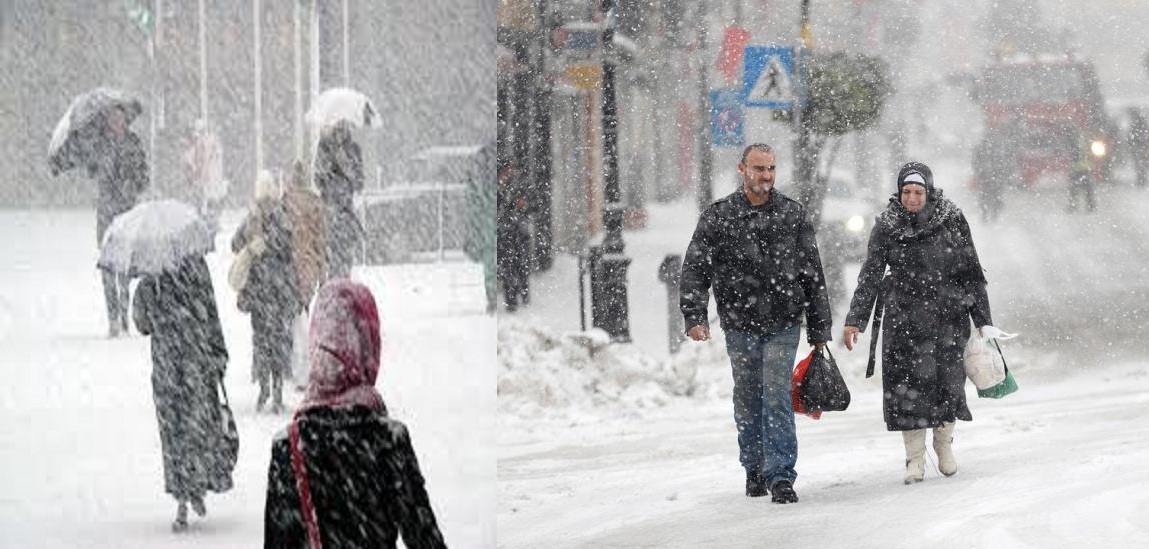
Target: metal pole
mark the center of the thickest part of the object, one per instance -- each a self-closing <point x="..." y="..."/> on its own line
<point x="255" y="9"/>
<point x="202" y="62"/>
<point x="544" y="230"/>
<point x="297" y="54"/>
<point x="346" y="49"/>
<point x="608" y="271"/>
<point x="705" y="149"/>
<point x="804" y="159"/>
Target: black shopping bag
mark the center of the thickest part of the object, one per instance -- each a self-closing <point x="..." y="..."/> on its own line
<point x="824" y="389"/>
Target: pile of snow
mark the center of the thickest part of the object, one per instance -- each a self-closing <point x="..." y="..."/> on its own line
<point x="544" y="372"/>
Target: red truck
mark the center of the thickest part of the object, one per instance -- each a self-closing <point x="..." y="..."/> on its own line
<point x="1044" y="116"/>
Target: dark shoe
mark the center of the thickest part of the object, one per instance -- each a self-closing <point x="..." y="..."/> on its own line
<point x="198" y="506"/>
<point x="755" y="484"/>
<point x="783" y="492"/>
<point x="180" y="524"/>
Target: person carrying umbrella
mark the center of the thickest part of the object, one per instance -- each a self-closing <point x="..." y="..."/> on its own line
<point x="94" y="133"/>
<point x="163" y="243"/>
<point x="120" y="168"/>
<point x="339" y="175"/>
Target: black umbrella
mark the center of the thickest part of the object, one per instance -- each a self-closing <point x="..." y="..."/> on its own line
<point x="74" y="133"/>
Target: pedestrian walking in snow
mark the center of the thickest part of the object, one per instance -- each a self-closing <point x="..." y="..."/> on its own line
<point x="344" y="474"/>
<point x="923" y="309"/>
<point x="756" y="248"/>
<point x="309" y="254"/>
<point x="1081" y="175"/>
<point x="120" y="168"/>
<point x="189" y="358"/>
<point x="339" y="175"/>
<point x="481" y="221"/>
<point x="1139" y="146"/>
<point x="203" y="161"/>
<point x="514" y="239"/>
<point x="271" y="289"/>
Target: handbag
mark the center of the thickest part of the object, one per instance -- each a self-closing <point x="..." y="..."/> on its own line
<point x="226" y="453"/>
<point x="823" y="388"/>
<point x="229" y="450"/>
<point x="796" y="379"/>
<point x="983" y="367"/>
<point x="1007" y="386"/>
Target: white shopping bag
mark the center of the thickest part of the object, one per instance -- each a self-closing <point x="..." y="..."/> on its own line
<point x="984" y="365"/>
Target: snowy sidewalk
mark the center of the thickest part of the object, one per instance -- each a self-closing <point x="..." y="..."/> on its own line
<point x="78" y="436"/>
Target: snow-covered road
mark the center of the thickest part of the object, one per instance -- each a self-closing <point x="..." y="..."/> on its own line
<point x="1058" y="464"/>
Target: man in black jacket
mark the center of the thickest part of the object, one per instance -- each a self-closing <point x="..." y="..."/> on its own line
<point x="756" y="248"/>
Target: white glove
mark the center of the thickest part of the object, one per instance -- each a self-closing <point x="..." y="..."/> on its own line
<point x="991" y="332"/>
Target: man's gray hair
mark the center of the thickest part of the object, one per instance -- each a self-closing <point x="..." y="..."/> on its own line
<point x="755" y="147"/>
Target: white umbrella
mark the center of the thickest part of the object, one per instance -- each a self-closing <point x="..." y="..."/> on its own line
<point x="154" y="237"/>
<point x="338" y="104"/>
<point x="67" y="148"/>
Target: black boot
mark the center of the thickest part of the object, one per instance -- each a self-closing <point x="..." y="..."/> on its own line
<point x="180" y="524"/>
<point x="783" y="492"/>
<point x="755" y="484"/>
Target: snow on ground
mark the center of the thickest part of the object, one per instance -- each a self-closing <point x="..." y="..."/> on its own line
<point x="79" y="446"/>
<point x="610" y="450"/>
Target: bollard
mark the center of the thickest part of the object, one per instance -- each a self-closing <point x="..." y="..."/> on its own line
<point x="608" y="300"/>
<point x="670" y="273"/>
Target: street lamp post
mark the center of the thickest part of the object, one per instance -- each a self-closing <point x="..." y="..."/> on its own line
<point x="608" y="261"/>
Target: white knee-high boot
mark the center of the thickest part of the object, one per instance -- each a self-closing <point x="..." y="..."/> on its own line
<point x="943" y="445"/>
<point x="915" y="455"/>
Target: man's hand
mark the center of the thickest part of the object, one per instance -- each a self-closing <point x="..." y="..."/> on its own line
<point x="699" y="333"/>
<point x="819" y="345"/>
<point x="850" y="336"/>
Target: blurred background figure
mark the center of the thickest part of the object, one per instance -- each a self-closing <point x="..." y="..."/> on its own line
<point x="203" y="161"/>
<point x="309" y="254"/>
<point x="1138" y="141"/>
<point x="514" y="239"/>
<point x="481" y="244"/>
<point x="270" y="292"/>
<point x="339" y="175"/>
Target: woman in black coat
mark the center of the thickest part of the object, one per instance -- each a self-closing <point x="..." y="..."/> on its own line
<point x="189" y="358"/>
<point x="934" y="286"/>
<point x="345" y="474"/>
<point x="271" y="292"/>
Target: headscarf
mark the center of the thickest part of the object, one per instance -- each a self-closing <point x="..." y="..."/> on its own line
<point x="344" y="348"/>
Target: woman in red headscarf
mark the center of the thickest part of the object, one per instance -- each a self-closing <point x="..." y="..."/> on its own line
<point x="344" y="474"/>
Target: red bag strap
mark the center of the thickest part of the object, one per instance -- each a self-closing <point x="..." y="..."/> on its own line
<point x="303" y="487"/>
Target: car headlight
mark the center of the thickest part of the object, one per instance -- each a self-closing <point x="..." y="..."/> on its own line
<point x="855" y="224"/>
<point x="1097" y="147"/>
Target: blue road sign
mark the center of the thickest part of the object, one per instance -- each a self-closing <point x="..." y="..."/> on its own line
<point x="769" y="78"/>
<point x="726" y="117"/>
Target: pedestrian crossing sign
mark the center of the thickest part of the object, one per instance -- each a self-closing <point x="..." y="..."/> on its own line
<point x="768" y="77"/>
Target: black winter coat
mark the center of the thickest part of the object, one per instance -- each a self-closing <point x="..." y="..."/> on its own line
<point x="364" y="479"/>
<point x="189" y="358"/>
<point x="120" y="169"/>
<point x="338" y="176"/>
<point x="764" y="266"/>
<point x="935" y="285"/>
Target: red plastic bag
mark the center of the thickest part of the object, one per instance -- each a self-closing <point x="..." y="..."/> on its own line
<point x="796" y="379"/>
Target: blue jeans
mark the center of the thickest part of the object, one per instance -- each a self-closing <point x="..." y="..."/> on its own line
<point x="763" y="410"/>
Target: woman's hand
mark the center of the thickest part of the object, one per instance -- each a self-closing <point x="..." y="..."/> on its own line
<point x="850" y="336"/>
